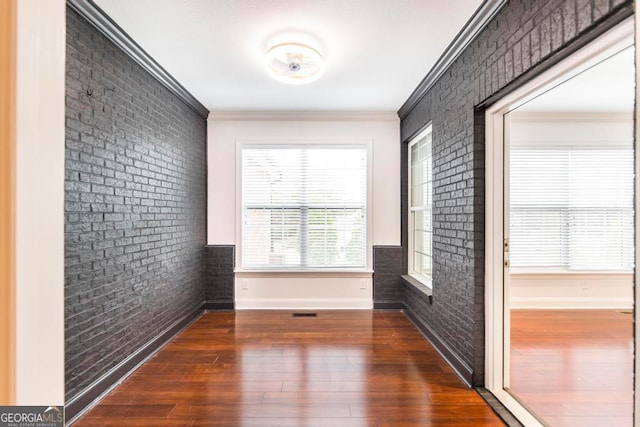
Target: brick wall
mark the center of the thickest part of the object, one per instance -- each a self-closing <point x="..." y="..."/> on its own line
<point x="220" y="279"/>
<point x="525" y="38"/>
<point x="387" y="285"/>
<point x="135" y="206"/>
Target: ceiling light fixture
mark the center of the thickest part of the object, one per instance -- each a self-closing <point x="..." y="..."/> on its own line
<point x="294" y="63"/>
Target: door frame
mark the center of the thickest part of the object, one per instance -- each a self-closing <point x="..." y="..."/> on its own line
<point x="7" y="200"/>
<point x="636" y="316"/>
<point x="496" y="315"/>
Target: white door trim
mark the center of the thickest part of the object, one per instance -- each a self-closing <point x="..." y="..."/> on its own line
<point x="496" y="319"/>
<point x="636" y="412"/>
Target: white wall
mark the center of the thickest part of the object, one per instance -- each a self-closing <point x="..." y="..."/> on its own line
<point x="40" y="203"/>
<point x="224" y="129"/>
<point x="581" y="128"/>
<point x="565" y="289"/>
<point x="571" y="290"/>
<point x="283" y="291"/>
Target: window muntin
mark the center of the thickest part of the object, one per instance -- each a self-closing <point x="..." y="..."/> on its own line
<point x="421" y="206"/>
<point x="304" y="207"/>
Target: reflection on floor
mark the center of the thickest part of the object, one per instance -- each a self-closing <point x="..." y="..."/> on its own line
<point x="343" y="368"/>
<point x="574" y="367"/>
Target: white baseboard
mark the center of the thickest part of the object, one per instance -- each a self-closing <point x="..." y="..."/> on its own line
<point x="303" y="303"/>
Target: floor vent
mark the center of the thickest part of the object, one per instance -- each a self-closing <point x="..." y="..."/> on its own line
<point x="304" y="315"/>
<point x="626" y="312"/>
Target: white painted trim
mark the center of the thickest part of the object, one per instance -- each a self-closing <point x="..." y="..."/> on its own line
<point x="636" y="315"/>
<point x="506" y="275"/>
<point x="311" y="116"/>
<point x="39" y="204"/>
<point x="494" y="235"/>
<point x="238" y="203"/>
<point x="495" y="314"/>
<point x="303" y="274"/>
<point x="303" y="303"/>
<point x="516" y="408"/>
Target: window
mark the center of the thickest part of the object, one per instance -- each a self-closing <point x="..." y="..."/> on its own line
<point x="304" y="207"/>
<point x="420" y="206"/>
<point x="571" y="208"/>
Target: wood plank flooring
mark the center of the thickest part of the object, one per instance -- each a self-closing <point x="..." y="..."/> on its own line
<point x="257" y="368"/>
<point x="574" y="367"/>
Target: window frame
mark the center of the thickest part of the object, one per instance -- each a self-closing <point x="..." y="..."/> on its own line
<point x="426" y="280"/>
<point x="367" y="144"/>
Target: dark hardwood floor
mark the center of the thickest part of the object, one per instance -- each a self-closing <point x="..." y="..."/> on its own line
<point x="574" y="367"/>
<point x="257" y="368"/>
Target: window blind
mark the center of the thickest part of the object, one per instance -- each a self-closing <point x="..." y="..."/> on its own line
<point x="304" y="207"/>
<point x="571" y="208"/>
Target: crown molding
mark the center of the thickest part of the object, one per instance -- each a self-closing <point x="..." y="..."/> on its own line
<point x="103" y="23"/>
<point x="312" y="116"/>
<point x="485" y="12"/>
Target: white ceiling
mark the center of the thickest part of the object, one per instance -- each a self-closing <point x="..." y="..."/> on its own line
<point x="376" y="51"/>
<point x="607" y="87"/>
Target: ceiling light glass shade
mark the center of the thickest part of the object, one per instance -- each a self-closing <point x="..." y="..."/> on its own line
<point x="294" y="63"/>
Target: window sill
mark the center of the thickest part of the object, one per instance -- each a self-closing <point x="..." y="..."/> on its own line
<point x="303" y="273"/>
<point x="419" y="286"/>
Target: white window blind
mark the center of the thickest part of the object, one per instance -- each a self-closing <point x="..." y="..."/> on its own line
<point x="571" y="208"/>
<point x="304" y="207"/>
<point x="421" y="203"/>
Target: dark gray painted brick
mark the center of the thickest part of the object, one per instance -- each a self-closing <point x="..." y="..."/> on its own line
<point x="515" y="44"/>
<point x="387" y="269"/>
<point x="584" y="14"/>
<point x="135" y="206"/>
<point x="220" y="279"/>
<point x="387" y="259"/>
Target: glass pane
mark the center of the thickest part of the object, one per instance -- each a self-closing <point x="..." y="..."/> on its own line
<point x="567" y="205"/>
<point x="422" y="150"/>
<point x="427" y="190"/>
<point x="336" y="237"/>
<point x="418" y="241"/>
<point x="414" y="154"/>
<point x="417" y="195"/>
<point x="304" y="207"/>
<point x="426" y="243"/>
<point x="271" y="237"/>
<point x="417" y="262"/>
<point x="418" y="220"/>
<point x="426" y="220"/>
<point x="571" y="190"/>
<point x="426" y="266"/>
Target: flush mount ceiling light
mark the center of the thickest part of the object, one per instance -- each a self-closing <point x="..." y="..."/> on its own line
<point x="294" y="63"/>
